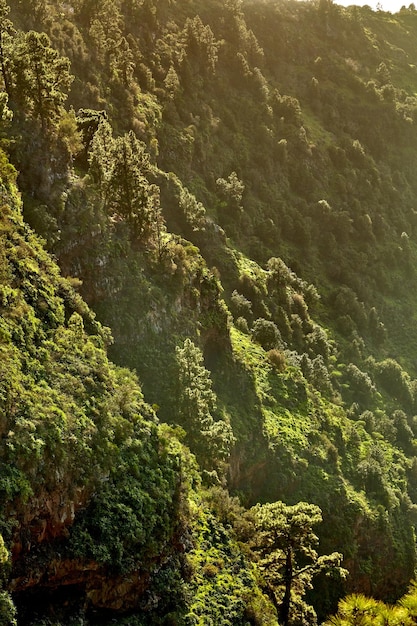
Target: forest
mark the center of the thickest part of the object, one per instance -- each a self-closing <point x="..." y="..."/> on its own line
<point x="208" y="313"/>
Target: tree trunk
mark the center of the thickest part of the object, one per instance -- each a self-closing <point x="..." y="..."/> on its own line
<point x="284" y="613"/>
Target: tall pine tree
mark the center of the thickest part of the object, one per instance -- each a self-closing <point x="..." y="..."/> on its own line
<point x="209" y="439"/>
<point x="286" y="543"/>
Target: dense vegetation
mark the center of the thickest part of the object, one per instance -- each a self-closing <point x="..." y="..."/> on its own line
<point x="208" y="380"/>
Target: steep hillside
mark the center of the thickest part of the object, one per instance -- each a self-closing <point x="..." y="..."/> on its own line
<point x="231" y="188"/>
<point x="102" y="510"/>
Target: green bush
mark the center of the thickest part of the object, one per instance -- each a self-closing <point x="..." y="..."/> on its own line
<point x="266" y="333"/>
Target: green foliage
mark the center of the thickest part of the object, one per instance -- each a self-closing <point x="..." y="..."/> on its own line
<point x="193" y="210"/>
<point x="200" y="45"/>
<point x="286" y="543"/>
<point x="120" y="170"/>
<point x="134" y="513"/>
<point x="41" y="78"/>
<point x="224" y="588"/>
<point x="394" y="380"/>
<point x="210" y="439"/>
<point x="231" y="192"/>
<point x="75" y="430"/>
<point x="266" y="334"/>
<point x="241" y="306"/>
<point x="311" y="108"/>
<point x="359" y="610"/>
<point x="7" y="610"/>
<point x="5" y="113"/>
<point x="8" y="173"/>
<point x="359" y="384"/>
<point x="7" y="33"/>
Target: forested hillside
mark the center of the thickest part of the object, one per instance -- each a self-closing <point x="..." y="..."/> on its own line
<point x="208" y="290"/>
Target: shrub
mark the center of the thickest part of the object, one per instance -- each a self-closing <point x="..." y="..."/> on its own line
<point x="394" y="380"/>
<point x="277" y="359"/>
<point x="7" y="610"/>
<point x="299" y="307"/>
<point x="266" y="334"/>
<point x="240" y="305"/>
<point x="360" y="383"/>
<point x="242" y="325"/>
<point x="210" y="570"/>
<point x="319" y="343"/>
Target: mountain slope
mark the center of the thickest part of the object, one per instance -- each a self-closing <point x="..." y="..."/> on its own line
<point x="240" y="175"/>
<point x="95" y="495"/>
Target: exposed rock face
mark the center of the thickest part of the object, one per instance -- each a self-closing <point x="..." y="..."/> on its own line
<point x="45" y="571"/>
<point x="44" y="518"/>
<point x="96" y="587"/>
<point x="44" y="568"/>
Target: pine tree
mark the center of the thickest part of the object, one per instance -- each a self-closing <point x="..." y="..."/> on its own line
<point x="287" y="544"/>
<point x="196" y="401"/>
<point x="7" y="34"/>
<point x="100" y="154"/>
<point x="129" y="193"/>
<point x="122" y="64"/>
<point x="42" y="79"/>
